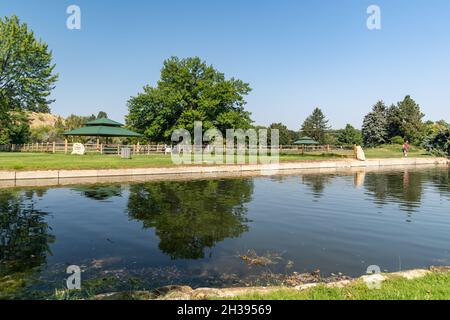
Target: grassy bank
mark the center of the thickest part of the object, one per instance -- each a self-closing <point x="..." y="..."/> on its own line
<point x="434" y="286"/>
<point x="42" y="161"/>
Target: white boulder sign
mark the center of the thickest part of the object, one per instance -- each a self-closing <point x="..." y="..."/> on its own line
<point x="360" y="154"/>
<point x="78" y="148"/>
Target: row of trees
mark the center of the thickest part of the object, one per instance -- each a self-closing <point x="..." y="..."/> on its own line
<point x="401" y="122"/>
<point x="189" y="90"/>
<point x="393" y="124"/>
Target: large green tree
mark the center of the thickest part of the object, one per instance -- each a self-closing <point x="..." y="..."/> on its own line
<point x="14" y="128"/>
<point x="26" y="75"/>
<point x="315" y="126"/>
<point x="405" y="120"/>
<point x="286" y="136"/>
<point x="349" y="136"/>
<point x="374" y="129"/>
<point x="189" y="90"/>
<point x="437" y="137"/>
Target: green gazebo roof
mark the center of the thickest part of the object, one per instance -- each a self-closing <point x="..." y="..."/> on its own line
<point x="306" y="141"/>
<point x="103" y="122"/>
<point x="102" y="128"/>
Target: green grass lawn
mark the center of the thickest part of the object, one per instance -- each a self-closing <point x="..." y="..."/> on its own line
<point x="394" y="151"/>
<point x="43" y="161"/>
<point x="434" y="286"/>
<point x="47" y="161"/>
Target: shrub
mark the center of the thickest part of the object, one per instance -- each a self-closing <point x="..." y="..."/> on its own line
<point x="397" y="140"/>
<point x="439" y="143"/>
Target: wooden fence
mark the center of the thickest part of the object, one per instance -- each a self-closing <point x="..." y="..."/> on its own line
<point x="114" y="149"/>
<point x="55" y="147"/>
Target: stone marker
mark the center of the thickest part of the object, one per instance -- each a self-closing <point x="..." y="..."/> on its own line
<point x="360" y="154"/>
<point x="78" y="148"/>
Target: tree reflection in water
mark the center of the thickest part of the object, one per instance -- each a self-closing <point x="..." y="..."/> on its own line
<point x="317" y="183"/>
<point x="99" y="192"/>
<point x="440" y="179"/>
<point x="406" y="187"/>
<point x="24" y="233"/>
<point x="403" y="187"/>
<point x="191" y="216"/>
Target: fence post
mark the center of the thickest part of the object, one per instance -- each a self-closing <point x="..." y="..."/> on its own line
<point x="65" y="146"/>
<point x="101" y="148"/>
<point x="118" y="149"/>
<point x="54" y="147"/>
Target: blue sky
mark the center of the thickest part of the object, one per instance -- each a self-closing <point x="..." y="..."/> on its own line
<point x="296" y="55"/>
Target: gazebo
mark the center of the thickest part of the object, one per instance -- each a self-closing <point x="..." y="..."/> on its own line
<point x="102" y="127"/>
<point x="306" y="141"/>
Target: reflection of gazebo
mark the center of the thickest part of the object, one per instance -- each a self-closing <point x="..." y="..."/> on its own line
<point x="102" y="127"/>
<point x="306" y="141"/>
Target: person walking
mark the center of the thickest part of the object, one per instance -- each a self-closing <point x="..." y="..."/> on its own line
<point x="405" y="148"/>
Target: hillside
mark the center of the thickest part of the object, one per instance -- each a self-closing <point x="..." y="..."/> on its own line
<point x="43" y="119"/>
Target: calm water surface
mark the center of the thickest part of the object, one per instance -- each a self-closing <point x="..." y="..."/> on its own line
<point x="196" y="232"/>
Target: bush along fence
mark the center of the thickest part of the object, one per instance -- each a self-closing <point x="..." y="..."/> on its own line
<point x="143" y="149"/>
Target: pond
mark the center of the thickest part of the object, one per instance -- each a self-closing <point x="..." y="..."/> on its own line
<point x="223" y="232"/>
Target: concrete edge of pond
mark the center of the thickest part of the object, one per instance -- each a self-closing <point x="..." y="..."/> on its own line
<point x="61" y="182"/>
<point x="69" y="177"/>
<point x="174" y="292"/>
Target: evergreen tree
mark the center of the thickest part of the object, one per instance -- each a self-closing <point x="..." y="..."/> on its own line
<point x="315" y="126"/>
<point x="405" y="120"/>
<point x="374" y="129"/>
<point x="102" y="115"/>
